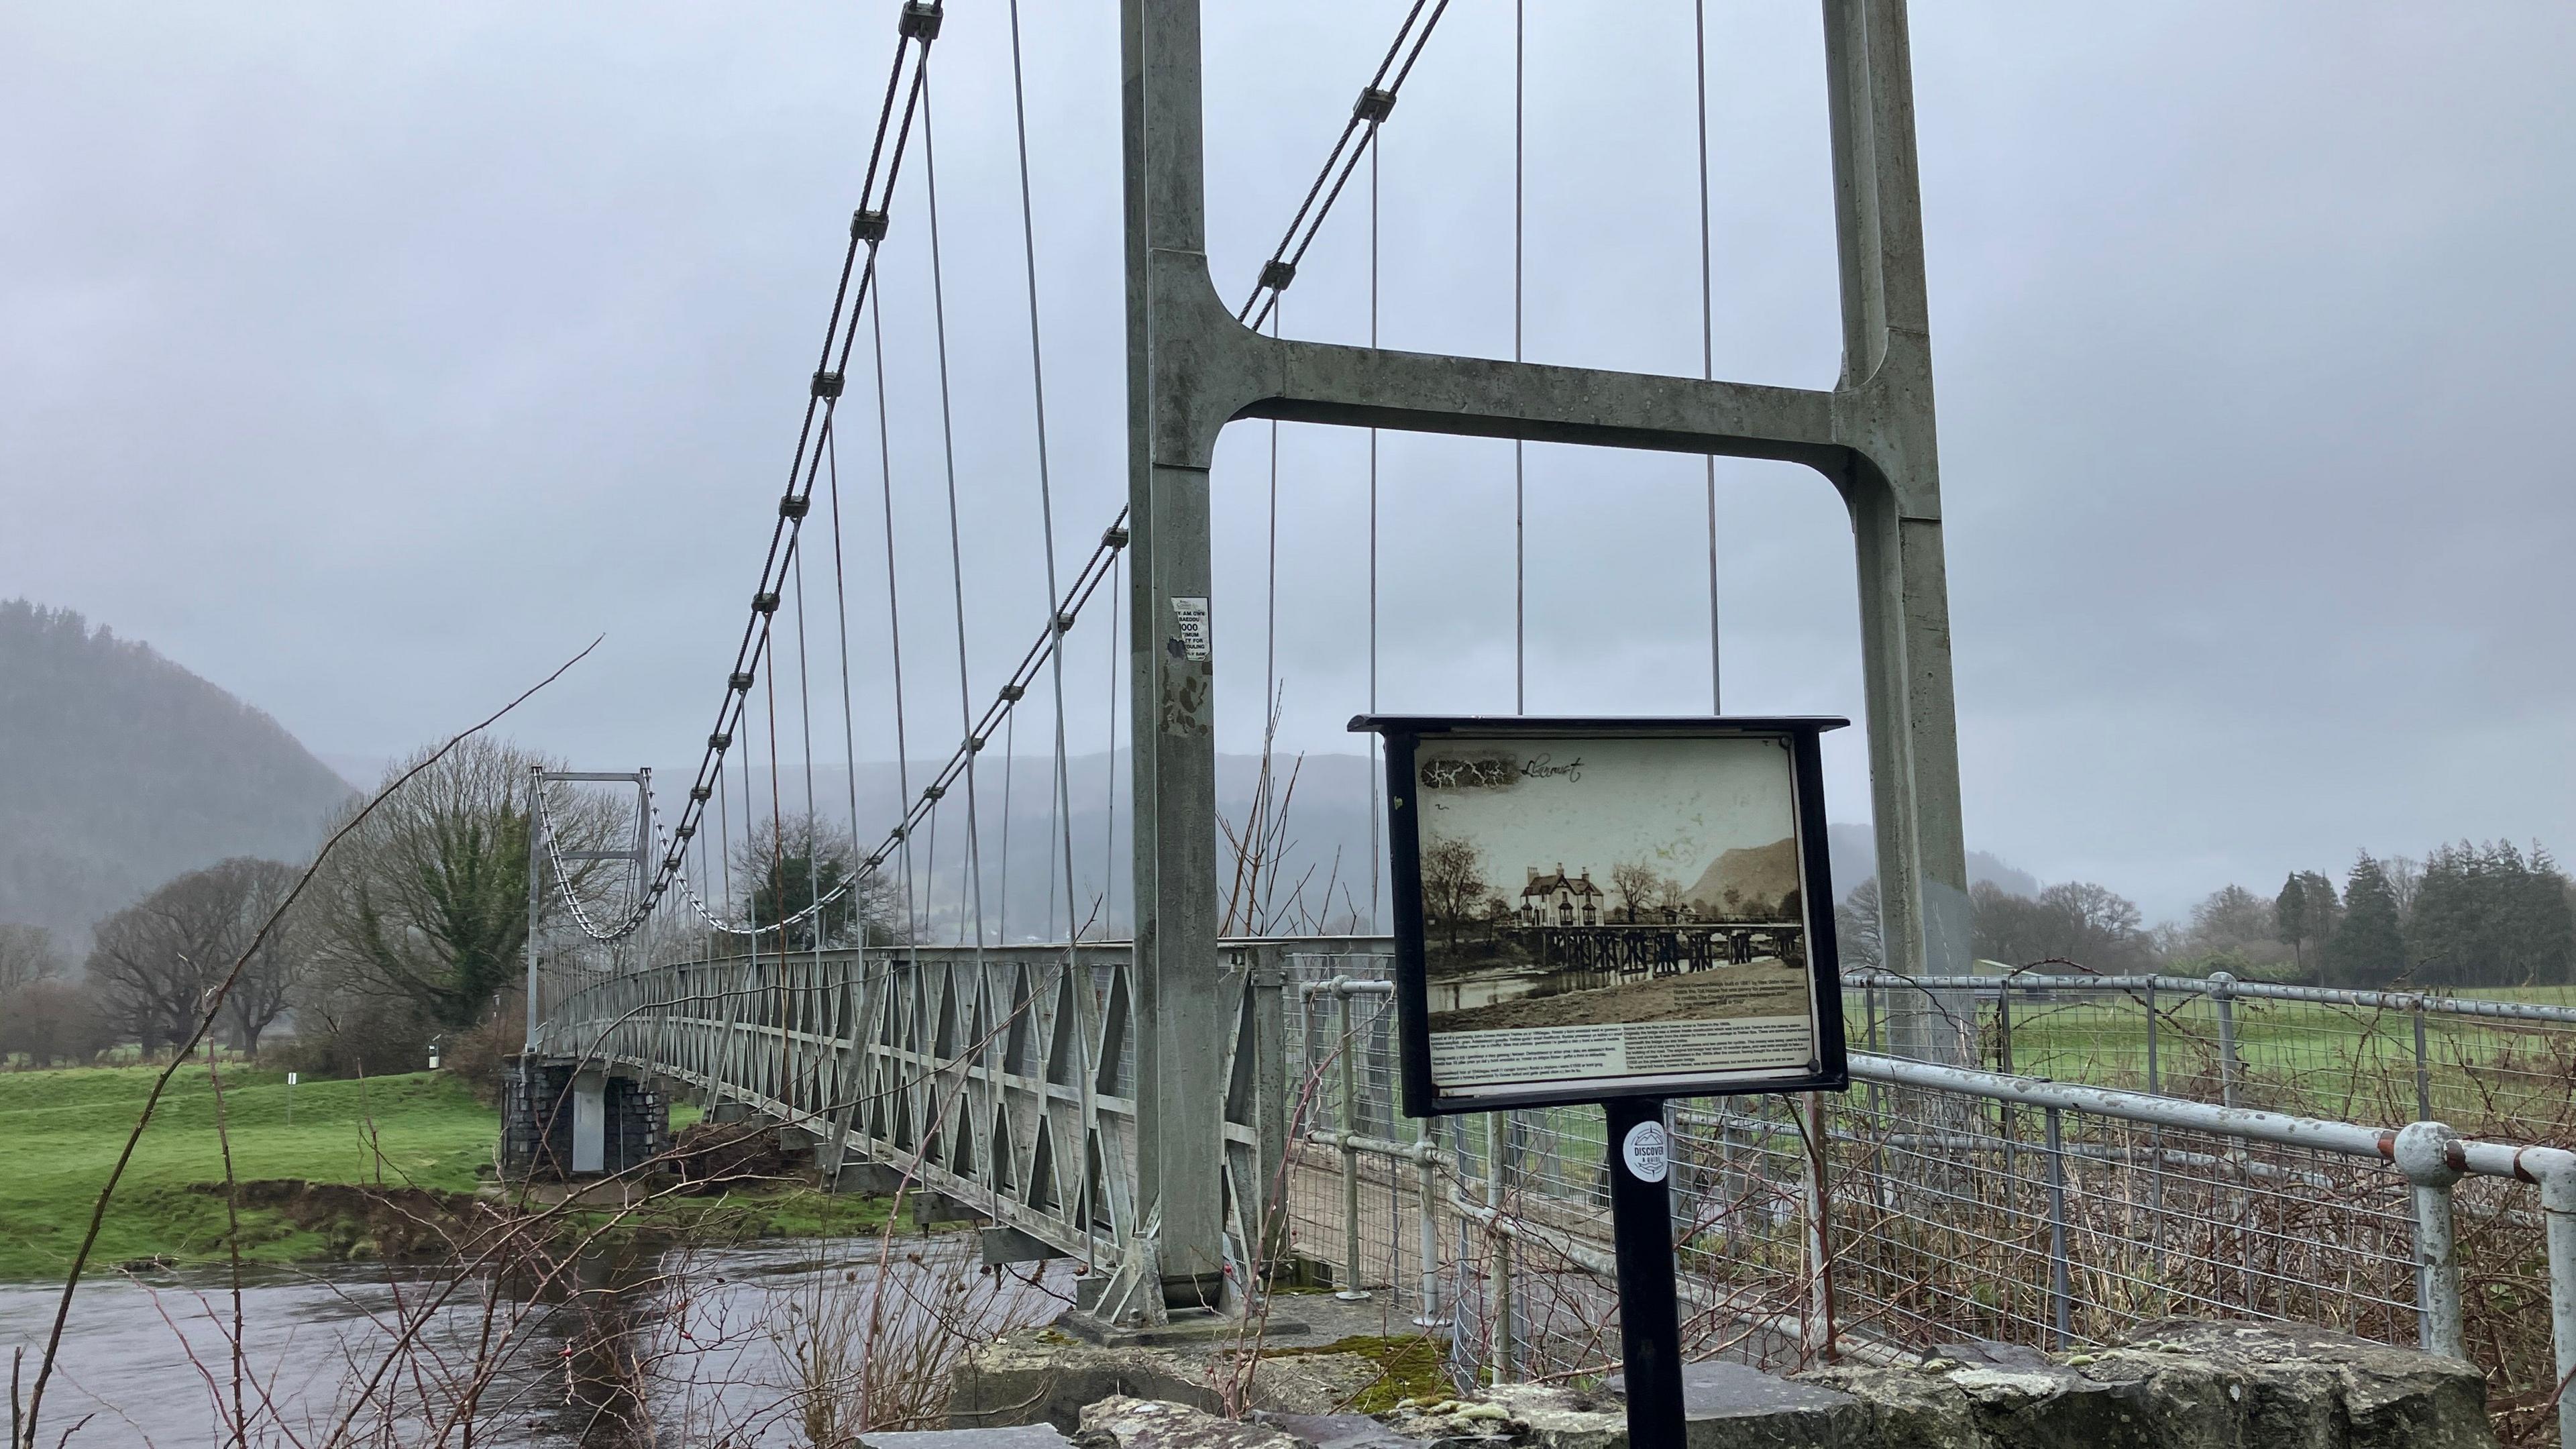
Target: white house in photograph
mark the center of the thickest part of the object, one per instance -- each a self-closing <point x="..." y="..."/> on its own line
<point x="1560" y="899"/>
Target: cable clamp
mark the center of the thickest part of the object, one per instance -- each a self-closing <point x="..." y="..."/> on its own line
<point x="739" y="681"/>
<point x="720" y="742"/>
<point x="700" y="793"/>
<point x="684" y="832"/>
<point x="1011" y="693"/>
<point x="920" y="21"/>
<point x="974" y="744"/>
<point x="1113" y="537"/>
<point x="1374" y="105"/>
<point x="792" y="506"/>
<point x="1277" y="273"/>
<point x="1064" y="623"/>
<point x="933" y="792"/>
<point x="827" y="385"/>
<point x="764" y="603"/>
<point x="867" y="226"/>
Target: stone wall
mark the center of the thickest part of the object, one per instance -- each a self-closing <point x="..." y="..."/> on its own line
<point x="2178" y="1384"/>
<point x="537" y="1123"/>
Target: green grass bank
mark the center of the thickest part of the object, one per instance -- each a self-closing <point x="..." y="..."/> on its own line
<point x="60" y="1132"/>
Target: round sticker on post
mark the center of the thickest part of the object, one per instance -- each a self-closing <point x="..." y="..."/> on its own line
<point x="1646" y="1151"/>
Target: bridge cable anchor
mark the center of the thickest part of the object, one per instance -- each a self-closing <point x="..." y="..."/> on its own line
<point x="920" y="21"/>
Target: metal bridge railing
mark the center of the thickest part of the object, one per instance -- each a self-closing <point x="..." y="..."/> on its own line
<point x="1936" y="1203"/>
<point x="1929" y="1204"/>
<point x="2498" y="1068"/>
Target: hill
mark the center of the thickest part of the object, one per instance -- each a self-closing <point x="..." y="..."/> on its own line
<point x="1329" y="839"/>
<point x="120" y="769"/>
<point x="1755" y="873"/>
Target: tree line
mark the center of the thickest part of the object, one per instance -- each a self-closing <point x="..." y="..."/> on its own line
<point x="413" y="930"/>
<point x="2466" y="914"/>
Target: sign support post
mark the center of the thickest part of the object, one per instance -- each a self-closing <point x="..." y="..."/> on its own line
<point x="1641" y="1219"/>
<point x="1671" y="936"/>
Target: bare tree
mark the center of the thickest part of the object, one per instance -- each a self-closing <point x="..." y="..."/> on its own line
<point x="153" y="961"/>
<point x="43" y="1016"/>
<point x="27" y="956"/>
<point x="53" y="1020"/>
<point x="269" y="975"/>
<point x="1639" y="887"/>
<point x="2405" y="878"/>
<point x="1453" y="884"/>
<point x="1859" y="933"/>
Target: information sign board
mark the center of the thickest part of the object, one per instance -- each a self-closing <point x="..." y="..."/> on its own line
<point x="1587" y="909"/>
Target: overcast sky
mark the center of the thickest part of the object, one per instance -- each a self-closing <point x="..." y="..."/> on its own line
<point x="368" y="361"/>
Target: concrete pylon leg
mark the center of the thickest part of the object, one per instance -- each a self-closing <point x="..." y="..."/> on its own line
<point x="1914" y="774"/>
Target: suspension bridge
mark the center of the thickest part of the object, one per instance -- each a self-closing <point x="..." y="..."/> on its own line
<point x="1131" y="1102"/>
<point x="1200" y="1109"/>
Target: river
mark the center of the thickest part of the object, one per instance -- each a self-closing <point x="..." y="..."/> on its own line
<point x="665" y="1347"/>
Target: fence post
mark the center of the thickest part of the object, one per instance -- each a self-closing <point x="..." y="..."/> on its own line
<point x="2222" y="989"/>
<point x="2154" y="1083"/>
<point x="1498" y="1133"/>
<point x="2004" y="1064"/>
<point x="1351" y="1291"/>
<point x="2003" y="1026"/>
<point x="1426" y="1156"/>
<point x="2424" y="1154"/>
<point x="2155" y="1143"/>
<point x="2558" y="1212"/>
<point x="2061" y="1287"/>
<point x="1269" y="983"/>
<point x="2423" y="1073"/>
<point x="1816" y="1323"/>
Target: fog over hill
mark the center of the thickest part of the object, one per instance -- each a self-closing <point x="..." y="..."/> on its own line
<point x="1326" y="833"/>
<point x="120" y="769"/>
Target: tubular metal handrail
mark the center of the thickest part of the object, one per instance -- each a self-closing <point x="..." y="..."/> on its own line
<point x="2430" y="1155"/>
<point x="2222" y="984"/>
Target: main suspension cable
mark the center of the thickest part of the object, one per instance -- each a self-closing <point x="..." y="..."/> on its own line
<point x="916" y="29"/>
<point x="1376" y="101"/>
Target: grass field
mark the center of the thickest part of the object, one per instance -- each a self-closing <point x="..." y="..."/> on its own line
<point x="2507" y="1079"/>
<point x="60" y="1132"/>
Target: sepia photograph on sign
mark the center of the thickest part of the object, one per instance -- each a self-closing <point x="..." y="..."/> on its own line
<point x="1613" y="908"/>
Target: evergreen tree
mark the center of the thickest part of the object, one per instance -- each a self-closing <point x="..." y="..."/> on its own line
<point x="2544" y="935"/>
<point x="2305" y="914"/>
<point x="2447" y="934"/>
<point x="2367" y="949"/>
<point x="2485" y="916"/>
<point x="803" y="878"/>
<point x="2290" y="919"/>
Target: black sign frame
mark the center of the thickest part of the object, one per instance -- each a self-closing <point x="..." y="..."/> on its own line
<point x="1827" y="1071"/>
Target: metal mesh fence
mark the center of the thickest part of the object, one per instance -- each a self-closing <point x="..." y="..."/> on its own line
<point x="2495" y="1067"/>
<point x="1939" y="1216"/>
